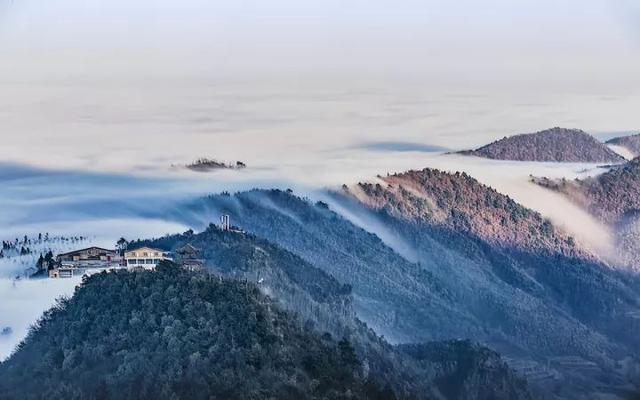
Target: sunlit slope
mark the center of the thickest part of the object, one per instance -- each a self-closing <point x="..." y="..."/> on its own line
<point x="522" y="286"/>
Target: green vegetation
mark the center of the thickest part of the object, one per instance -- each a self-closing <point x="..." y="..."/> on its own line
<point x="526" y="293"/>
<point x="171" y="334"/>
<point x="469" y="363"/>
<point x="174" y="334"/>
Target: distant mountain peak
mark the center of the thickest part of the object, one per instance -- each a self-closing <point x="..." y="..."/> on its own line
<point x="550" y="145"/>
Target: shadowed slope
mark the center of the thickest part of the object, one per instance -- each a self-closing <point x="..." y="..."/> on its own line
<point x="523" y="286"/>
<point x="325" y="304"/>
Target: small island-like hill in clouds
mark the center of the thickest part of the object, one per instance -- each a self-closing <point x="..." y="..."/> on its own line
<point x="551" y="145"/>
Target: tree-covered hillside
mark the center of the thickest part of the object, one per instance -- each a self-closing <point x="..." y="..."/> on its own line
<point x="539" y="305"/>
<point x="614" y="198"/>
<point x="295" y="283"/>
<point x="630" y="143"/>
<point x="396" y="297"/>
<point x="325" y="304"/>
<point x="460" y="203"/>
<point x="173" y="334"/>
<point x="555" y="144"/>
<point x="611" y="196"/>
<point x="176" y="335"/>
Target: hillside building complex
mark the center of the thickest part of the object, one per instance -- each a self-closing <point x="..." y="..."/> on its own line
<point x="91" y="257"/>
<point x="82" y="262"/>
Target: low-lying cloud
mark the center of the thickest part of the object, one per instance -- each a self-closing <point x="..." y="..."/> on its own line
<point x="402" y="147"/>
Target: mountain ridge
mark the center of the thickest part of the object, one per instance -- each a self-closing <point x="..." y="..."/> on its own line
<point x="521" y="300"/>
<point x="551" y="145"/>
<point x="631" y="143"/>
<point x="614" y="198"/>
<point x="610" y="196"/>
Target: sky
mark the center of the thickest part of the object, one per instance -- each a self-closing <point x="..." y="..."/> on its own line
<point x="135" y="86"/>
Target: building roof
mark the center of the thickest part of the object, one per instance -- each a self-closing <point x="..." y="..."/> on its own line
<point x="144" y="248"/>
<point x="85" y="249"/>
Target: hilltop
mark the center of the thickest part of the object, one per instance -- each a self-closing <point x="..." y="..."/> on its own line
<point x="297" y="284"/>
<point x="505" y="246"/>
<point x="171" y="334"/>
<point x="554" y="145"/>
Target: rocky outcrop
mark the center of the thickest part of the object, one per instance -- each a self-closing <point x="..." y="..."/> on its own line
<point x="553" y="145"/>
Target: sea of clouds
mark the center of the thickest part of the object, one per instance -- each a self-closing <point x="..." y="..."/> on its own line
<point x="103" y="207"/>
<point x="308" y="94"/>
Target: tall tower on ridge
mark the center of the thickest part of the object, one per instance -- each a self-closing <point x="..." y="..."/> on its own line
<point x="225" y="222"/>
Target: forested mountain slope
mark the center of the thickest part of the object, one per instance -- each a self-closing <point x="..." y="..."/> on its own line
<point x="326" y="305"/>
<point x="389" y="291"/>
<point x="535" y="303"/>
<point x="556" y="144"/>
<point x="458" y="202"/>
<point x="610" y="196"/>
<point x="174" y="335"/>
<point x="296" y="283"/>
<point x="631" y="143"/>
<point x="529" y="280"/>
<point x="614" y="198"/>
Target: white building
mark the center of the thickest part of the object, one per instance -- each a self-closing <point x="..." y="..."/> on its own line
<point x="145" y="258"/>
<point x="62" y="272"/>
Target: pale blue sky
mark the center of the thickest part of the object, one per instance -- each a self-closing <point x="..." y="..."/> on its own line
<point x="582" y="28"/>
